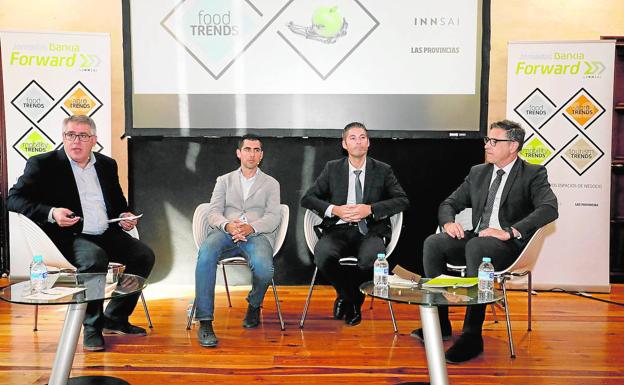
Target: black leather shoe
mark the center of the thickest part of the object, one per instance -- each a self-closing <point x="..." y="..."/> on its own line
<point x="353" y="315"/>
<point x="340" y="308"/>
<point x="467" y="347"/>
<point x="252" y="318"/>
<point x="123" y="328"/>
<point x="206" y="335"/>
<point x="418" y="334"/>
<point x="92" y="340"/>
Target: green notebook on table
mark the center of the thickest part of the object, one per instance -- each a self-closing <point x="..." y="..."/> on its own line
<point x="451" y="281"/>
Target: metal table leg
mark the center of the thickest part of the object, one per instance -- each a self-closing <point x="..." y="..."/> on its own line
<point x="67" y="344"/>
<point x="433" y="345"/>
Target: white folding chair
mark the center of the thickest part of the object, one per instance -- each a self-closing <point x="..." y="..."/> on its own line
<point x="39" y="243"/>
<point x="200" y="231"/>
<point x="522" y="266"/>
<point x="310" y="220"/>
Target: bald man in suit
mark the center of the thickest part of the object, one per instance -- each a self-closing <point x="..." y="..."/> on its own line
<point x="510" y="200"/>
<point x="244" y="216"/>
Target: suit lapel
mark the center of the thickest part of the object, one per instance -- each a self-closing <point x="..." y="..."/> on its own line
<point x="238" y="187"/>
<point x="260" y="179"/>
<point x="342" y="185"/>
<point x="368" y="179"/>
<point x="486" y="178"/>
<point x="511" y="178"/>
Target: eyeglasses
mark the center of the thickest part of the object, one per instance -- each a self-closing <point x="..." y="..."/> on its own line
<point x="72" y="136"/>
<point x="493" y="141"/>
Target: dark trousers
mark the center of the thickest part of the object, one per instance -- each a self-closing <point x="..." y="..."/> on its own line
<point x="440" y="249"/>
<point x="341" y="241"/>
<point x="91" y="254"/>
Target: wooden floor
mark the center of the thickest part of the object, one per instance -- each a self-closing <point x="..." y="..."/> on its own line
<point x="574" y="341"/>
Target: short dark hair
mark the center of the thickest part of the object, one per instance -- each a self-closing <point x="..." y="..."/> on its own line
<point x="245" y="137"/>
<point x="80" y="119"/>
<point x="513" y="131"/>
<point x="353" y="125"/>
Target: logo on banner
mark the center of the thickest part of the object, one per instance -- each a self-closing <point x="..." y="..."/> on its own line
<point x="581" y="154"/>
<point x="33" y="142"/>
<point x="536" y="109"/>
<point x="33" y="102"/>
<point x="582" y="109"/>
<point x="536" y="151"/>
<point x="80" y="101"/>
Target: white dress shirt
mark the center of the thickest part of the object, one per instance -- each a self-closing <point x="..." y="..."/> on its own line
<point x="351" y="190"/>
<point x="494" y="223"/>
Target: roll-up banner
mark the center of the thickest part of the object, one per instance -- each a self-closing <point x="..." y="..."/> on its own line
<point x="562" y="93"/>
<point x="48" y="76"/>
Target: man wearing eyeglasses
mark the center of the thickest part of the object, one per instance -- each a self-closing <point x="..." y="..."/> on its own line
<point x="510" y="200"/>
<point x="71" y="194"/>
<point x="244" y="217"/>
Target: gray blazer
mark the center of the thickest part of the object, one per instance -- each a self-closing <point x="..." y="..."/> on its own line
<point x="262" y="206"/>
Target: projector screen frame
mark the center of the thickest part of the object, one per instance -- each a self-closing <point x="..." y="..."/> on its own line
<point x="130" y="130"/>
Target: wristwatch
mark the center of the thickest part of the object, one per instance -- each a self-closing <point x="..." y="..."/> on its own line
<point x="509" y="231"/>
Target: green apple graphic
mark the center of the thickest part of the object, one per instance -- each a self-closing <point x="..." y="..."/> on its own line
<point x="327" y="21"/>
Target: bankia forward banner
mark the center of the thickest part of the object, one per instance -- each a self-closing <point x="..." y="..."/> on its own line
<point x="562" y="93"/>
<point x="48" y="76"/>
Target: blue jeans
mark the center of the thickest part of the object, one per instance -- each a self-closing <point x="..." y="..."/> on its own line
<point x="219" y="245"/>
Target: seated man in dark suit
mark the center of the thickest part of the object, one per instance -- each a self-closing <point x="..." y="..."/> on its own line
<point x="510" y="200"/>
<point x="355" y="196"/>
<point x="71" y="193"/>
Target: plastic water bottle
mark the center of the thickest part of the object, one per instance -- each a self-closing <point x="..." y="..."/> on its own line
<point x="38" y="274"/>
<point x="486" y="276"/>
<point x="381" y="270"/>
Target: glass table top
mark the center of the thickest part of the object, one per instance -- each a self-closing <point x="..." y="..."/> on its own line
<point x="418" y="295"/>
<point x="71" y="288"/>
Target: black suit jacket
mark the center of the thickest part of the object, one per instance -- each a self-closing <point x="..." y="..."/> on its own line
<point x="48" y="181"/>
<point x="527" y="201"/>
<point x="381" y="190"/>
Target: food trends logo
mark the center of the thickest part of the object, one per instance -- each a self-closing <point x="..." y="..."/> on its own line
<point x="215" y="33"/>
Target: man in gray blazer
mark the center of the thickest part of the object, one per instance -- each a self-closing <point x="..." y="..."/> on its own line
<point x="355" y="196"/>
<point x="244" y="216"/>
<point x="510" y="200"/>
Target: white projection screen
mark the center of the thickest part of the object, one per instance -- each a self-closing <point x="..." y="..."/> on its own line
<point x="406" y="68"/>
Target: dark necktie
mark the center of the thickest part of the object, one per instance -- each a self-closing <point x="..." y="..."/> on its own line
<point x="489" y="204"/>
<point x="358" y="199"/>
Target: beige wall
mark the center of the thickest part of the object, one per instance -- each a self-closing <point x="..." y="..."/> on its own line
<point x="512" y="20"/>
<point x="79" y="16"/>
<point x="521" y="20"/>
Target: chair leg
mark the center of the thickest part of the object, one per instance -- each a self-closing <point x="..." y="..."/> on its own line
<point x="511" y="347"/>
<point x="371" y="304"/>
<point x="36" y="318"/>
<point x="277" y="304"/>
<point x="494" y="313"/>
<point x="191" y="315"/>
<point x="530" y="294"/>
<point x="227" y="288"/>
<point x="394" y="324"/>
<point x="307" y="303"/>
<point x="147" y="315"/>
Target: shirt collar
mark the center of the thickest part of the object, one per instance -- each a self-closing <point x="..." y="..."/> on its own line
<point x="240" y="173"/>
<point x="507" y="168"/>
<point x="91" y="161"/>
<point x="352" y="168"/>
